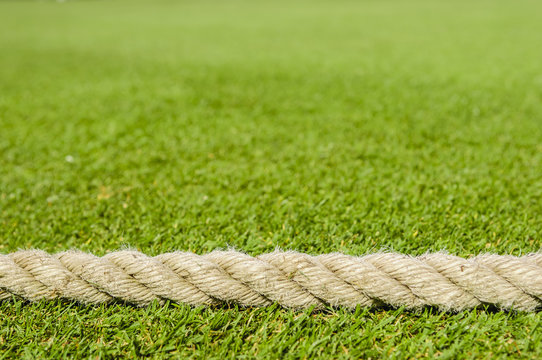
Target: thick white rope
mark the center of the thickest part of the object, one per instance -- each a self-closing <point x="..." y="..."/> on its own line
<point x="291" y="279"/>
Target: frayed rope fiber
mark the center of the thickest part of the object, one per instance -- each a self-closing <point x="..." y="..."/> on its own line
<point x="291" y="279"/>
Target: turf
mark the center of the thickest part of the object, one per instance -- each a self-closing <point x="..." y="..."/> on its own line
<point x="317" y="126"/>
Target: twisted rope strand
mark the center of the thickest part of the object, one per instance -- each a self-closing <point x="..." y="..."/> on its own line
<point x="291" y="279"/>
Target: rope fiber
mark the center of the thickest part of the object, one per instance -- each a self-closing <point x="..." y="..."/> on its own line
<point x="291" y="279"/>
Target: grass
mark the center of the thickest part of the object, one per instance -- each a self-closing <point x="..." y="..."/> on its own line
<point x="317" y="126"/>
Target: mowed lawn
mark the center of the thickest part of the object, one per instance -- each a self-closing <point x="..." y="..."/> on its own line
<point x="316" y="126"/>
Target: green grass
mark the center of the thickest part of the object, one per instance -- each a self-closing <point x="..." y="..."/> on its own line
<point x="316" y="126"/>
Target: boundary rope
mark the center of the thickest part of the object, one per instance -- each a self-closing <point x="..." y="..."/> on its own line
<point x="291" y="279"/>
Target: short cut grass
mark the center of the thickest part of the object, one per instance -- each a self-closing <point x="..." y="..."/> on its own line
<point x="316" y="126"/>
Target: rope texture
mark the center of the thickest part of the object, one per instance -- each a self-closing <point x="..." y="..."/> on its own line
<point x="291" y="279"/>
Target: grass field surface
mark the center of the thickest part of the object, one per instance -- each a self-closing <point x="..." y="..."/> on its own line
<point x="317" y="126"/>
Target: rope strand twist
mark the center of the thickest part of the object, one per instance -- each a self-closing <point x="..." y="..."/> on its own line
<point x="291" y="279"/>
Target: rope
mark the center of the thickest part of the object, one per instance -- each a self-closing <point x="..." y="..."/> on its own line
<point x="291" y="279"/>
